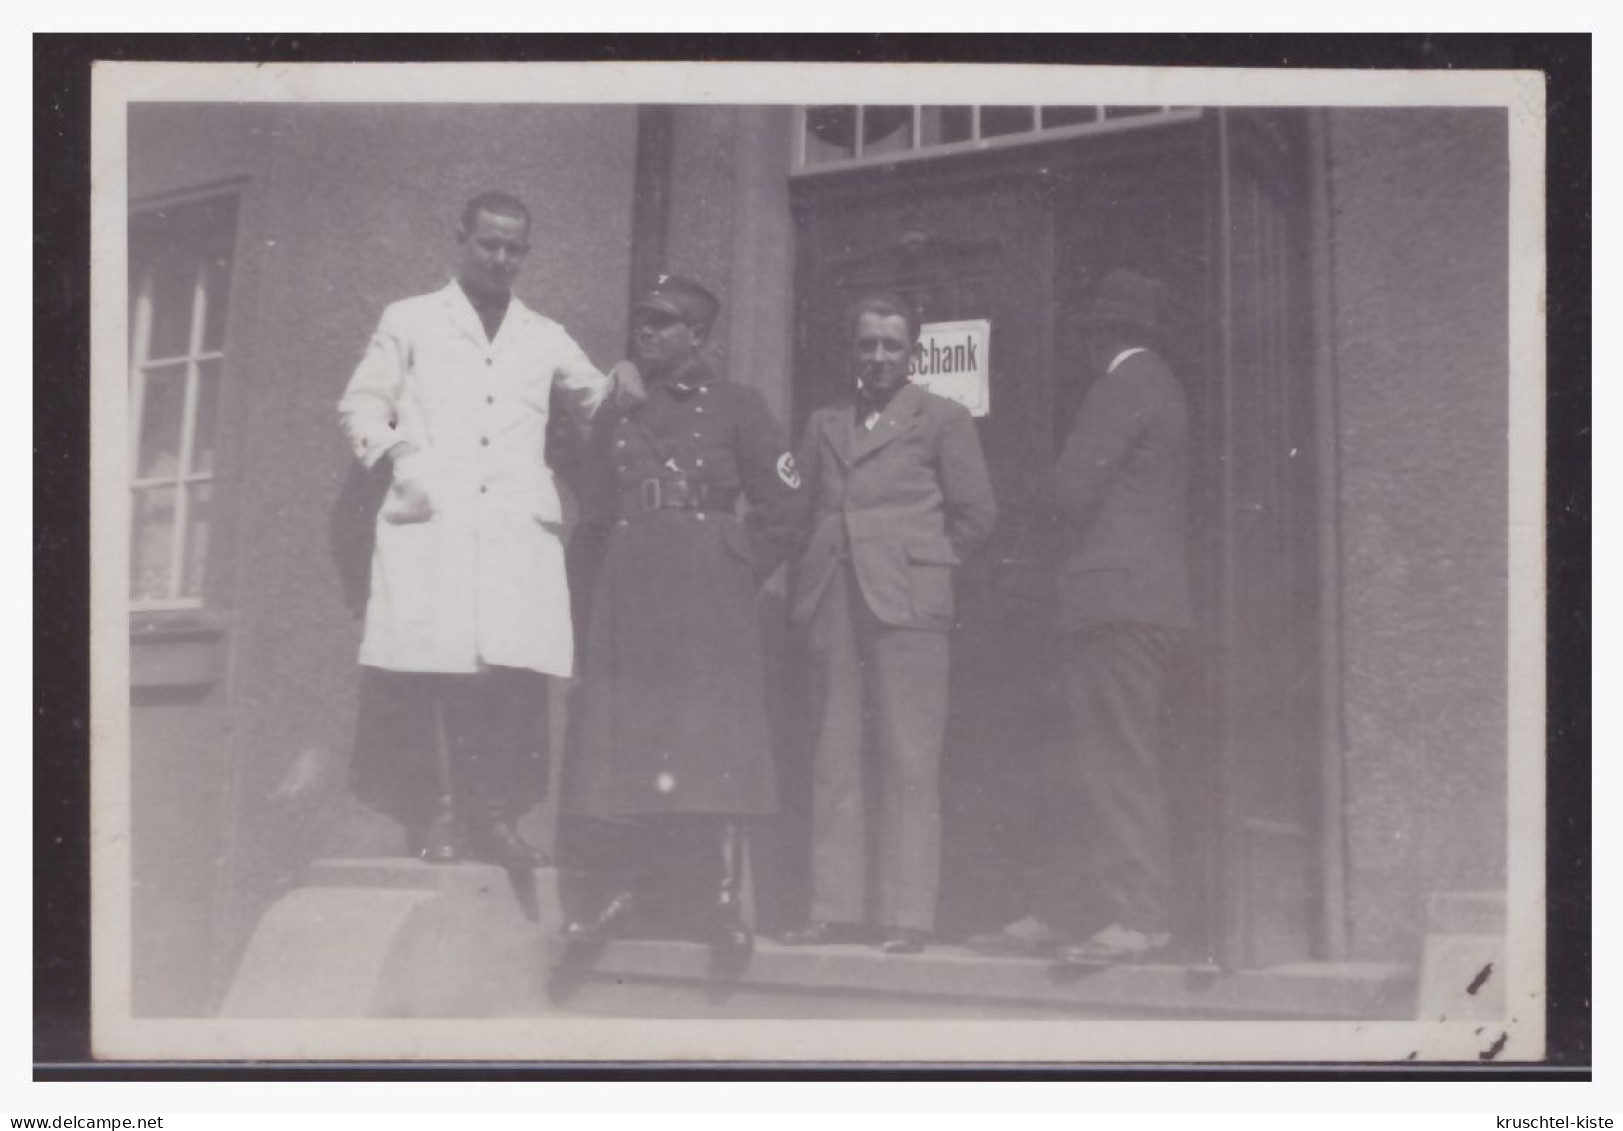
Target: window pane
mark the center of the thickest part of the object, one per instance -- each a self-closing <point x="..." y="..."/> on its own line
<point x="216" y="276"/>
<point x="997" y="120"/>
<point x="152" y="523"/>
<point x="1130" y="111"/>
<point x="943" y="125"/>
<point x="887" y="129"/>
<point x="173" y="282"/>
<point x="830" y="133"/>
<point x="200" y="498"/>
<point x="1055" y="116"/>
<point x="208" y="397"/>
<point x="158" y="453"/>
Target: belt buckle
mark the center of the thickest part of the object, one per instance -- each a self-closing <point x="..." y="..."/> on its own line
<point x="652" y="495"/>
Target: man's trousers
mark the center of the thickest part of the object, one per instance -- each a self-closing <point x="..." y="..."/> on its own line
<point x="879" y="692"/>
<point x="1115" y="864"/>
<point x="487" y="729"/>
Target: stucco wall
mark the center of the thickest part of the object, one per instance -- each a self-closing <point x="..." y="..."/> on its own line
<point x="731" y="229"/>
<point x="1419" y="262"/>
<point x="345" y="209"/>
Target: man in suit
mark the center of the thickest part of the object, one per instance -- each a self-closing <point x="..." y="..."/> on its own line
<point x="467" y="608"/>
<point x="899" y="493"/>
<point x="1120" y="490"/>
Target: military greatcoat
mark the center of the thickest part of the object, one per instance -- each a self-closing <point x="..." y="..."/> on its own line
<point x="673" y="699"/>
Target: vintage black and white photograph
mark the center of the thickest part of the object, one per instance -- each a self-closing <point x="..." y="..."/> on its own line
<point x="655" y="562"/>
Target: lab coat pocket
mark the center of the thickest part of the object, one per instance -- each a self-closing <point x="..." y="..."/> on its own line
<point x="413" y="492"/>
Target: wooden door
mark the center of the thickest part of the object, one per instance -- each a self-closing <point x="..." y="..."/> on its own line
<point x="1266" y="526"/>
<point x="1213" y="207"/>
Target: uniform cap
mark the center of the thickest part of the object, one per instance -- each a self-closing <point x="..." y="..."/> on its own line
<point x="680" y="297"/>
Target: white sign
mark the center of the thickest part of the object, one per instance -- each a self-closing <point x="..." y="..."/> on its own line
<point x="954" y="360"/>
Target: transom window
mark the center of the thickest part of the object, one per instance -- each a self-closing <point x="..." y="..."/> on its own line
<point x="180" y="270"/>
<point x="841" y="136"/>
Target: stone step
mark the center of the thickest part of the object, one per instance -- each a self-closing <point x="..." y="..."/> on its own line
<point x="1462" y="965"/>
<point x="678" y="979"/>
<point x="397" y="938"/>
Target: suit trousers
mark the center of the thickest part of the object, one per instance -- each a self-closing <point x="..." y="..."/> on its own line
<point x="1119" y="846"/>
<point x="883" y="690"/>
<point x="494" y="728"/>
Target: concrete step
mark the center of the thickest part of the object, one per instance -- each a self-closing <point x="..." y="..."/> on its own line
<point x="678" y="979"/>
<point x="397" y="938"/>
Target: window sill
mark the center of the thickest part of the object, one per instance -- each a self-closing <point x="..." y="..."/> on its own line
<point x="173" y="649"/>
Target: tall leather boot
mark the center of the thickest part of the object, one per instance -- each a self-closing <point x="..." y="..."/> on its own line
<point x="616" y="918"/>
<point x="729" y="933"/>
<point x="442" y="840"/>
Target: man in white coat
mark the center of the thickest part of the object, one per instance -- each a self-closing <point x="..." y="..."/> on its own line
<point x="468" y="608"/>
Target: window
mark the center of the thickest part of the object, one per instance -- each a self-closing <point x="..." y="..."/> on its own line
<point x="829" y="137"/>
<point x="180" y="271"/>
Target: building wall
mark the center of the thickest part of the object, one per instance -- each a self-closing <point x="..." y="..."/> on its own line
<point x="731" y="229"/>
<point x="1419" y="302"/>
<point x="180" y="719"/>
<point x="346" y="208"/>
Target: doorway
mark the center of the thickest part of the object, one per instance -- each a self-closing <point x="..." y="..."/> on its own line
<point x="1019" y="236"/>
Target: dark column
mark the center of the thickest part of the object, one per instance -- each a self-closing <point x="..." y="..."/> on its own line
<point x="651" y="195"/>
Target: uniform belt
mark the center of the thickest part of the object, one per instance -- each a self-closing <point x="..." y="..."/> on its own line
<point x="653" y="495"/>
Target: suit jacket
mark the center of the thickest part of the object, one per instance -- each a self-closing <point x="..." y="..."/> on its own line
<point x="902" y="502"/>
<point x="1121" y="488"/>
<point x="482" y="580"/>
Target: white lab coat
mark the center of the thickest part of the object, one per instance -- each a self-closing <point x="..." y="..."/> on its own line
<point x="482" y="581"/>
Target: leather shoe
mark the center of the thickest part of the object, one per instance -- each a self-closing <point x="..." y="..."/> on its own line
<point x="821" y="932"/>
<point x="611" y="922"/>
<point x="729" y="932"/>
<point x="1030" y="937"/>
<point x="500" y="843"/>
<point x="1117" y="945"/>
<point x="904" y="940"/>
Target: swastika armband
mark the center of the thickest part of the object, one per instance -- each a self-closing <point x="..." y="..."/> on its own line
<point x="788" y="472"/>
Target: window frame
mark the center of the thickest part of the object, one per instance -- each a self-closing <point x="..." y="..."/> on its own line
<point x="185" y="479"/>
<point x="975" y="143"/>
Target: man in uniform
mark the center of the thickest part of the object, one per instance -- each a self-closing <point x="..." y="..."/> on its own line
<point x="673" y="753"/>
<point x="1121" y="492"/>
<point x="467" y="607"/>
<point x="901" y="493"/>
